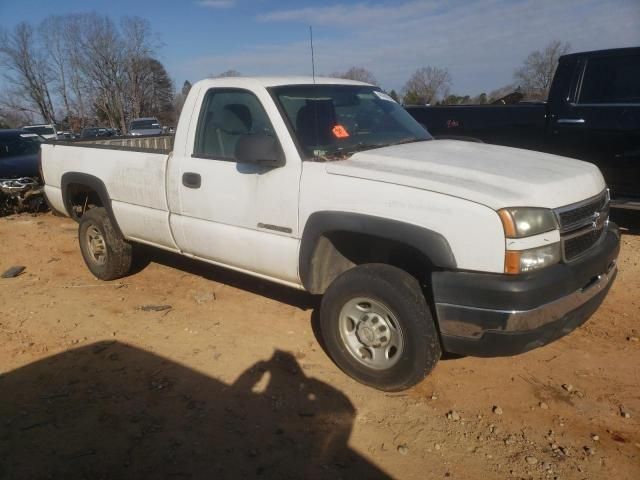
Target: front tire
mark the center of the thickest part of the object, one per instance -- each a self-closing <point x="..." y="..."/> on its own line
<point x="105" y="251"/>
<point x="377" y="327"/>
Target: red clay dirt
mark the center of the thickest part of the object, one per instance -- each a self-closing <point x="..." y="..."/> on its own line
<point x="231" y="382"/>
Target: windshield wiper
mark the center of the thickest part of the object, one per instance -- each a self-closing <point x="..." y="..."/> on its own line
<point x="407" y="140"/>
<point x="355" y="148"/>
<point x="350" y="150"/>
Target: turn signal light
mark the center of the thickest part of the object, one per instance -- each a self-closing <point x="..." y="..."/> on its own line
<point x="512" y="261"/>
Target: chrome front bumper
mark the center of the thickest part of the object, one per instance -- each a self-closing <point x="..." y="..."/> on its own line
<point x="492" y="315"/>
<point x="459" y="320"/>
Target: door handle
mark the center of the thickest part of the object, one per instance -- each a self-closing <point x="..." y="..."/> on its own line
<point x="191" y="180"/>
<point x="572" y="121"/>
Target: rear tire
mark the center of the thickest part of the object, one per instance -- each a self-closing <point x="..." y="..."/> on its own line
<point x="377" y="327"/>
<point x="105" y="251"/>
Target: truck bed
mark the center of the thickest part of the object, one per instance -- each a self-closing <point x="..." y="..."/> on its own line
<point x="133" y="172"/>
<point x="521" y="125"/>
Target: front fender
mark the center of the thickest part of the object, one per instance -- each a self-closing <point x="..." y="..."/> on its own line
<point x="432" y="244"/>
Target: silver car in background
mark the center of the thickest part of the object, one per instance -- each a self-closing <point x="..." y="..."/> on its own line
<point x="46" y="131"/>
<point x="145" y="126"/>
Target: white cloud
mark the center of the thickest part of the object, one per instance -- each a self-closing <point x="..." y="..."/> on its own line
<point x="481" y="42"/>
<point x="217" y="3"/>
<point x="351" y="15"/>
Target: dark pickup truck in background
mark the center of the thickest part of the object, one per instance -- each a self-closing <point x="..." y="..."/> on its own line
<point x="592" y="114"/>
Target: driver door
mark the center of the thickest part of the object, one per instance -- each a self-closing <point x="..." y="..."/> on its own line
<point x="235" y="214"/>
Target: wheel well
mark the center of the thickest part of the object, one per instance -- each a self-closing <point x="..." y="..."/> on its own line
<point x="81" y="198"/>
<point x="336" y="252"/>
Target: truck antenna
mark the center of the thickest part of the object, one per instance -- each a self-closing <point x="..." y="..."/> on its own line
<point x="313" y="63"/>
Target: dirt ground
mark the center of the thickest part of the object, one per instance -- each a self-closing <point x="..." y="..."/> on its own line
<point x="229" y="381"/>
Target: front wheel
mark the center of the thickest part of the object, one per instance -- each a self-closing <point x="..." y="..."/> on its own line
<point x="377" y="327"/>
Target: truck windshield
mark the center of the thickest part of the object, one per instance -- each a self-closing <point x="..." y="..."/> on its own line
<point x="332" y="122"/>
<point x="41" y="130"/>
<point x="14" y="145"/>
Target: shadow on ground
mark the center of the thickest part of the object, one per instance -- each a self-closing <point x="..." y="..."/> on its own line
<point x="144" y="255"/>
<point x="113" y="411"/>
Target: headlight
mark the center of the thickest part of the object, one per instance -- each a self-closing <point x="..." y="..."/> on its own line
<point x="521" y="261"/>
<point x="526" y="221"/>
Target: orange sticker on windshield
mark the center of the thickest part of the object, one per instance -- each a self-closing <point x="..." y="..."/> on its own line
<point x="340" y="132"/>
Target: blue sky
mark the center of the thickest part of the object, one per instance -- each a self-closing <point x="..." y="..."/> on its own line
<point x="481" y="42"/>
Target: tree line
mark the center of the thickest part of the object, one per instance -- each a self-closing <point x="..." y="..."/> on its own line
<point x="83" y="70"/>
<point x="86" y="69"/>
<point x="431" y="85"/>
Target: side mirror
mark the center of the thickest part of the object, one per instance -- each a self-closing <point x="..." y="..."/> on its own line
<point x="259" y="149"/>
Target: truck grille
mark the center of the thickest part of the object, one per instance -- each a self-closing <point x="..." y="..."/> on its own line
<point x="582" y="225"/>
<point x="576" y="246"/>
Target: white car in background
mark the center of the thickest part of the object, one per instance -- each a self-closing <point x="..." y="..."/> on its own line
<point x="47" y="131"/>
<point x="145" y="126"/>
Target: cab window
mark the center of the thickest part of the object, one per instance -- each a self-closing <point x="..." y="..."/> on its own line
<point x="226" y="116"/>
<point x="611" y="80"/>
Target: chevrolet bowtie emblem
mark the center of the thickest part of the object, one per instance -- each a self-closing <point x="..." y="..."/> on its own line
<point x="598" y="220"/>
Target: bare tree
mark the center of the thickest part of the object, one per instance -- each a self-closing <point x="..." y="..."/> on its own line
<point x="136" y="33"/>
<point x="89" y="66"/>
<point x="102" y="60"/>
<point x="427" y="85"/>
<point x="80" y="90"/>
<point x="52" y="33"/>
<point x="14" y="117"/>
<point x="29" y="72"/>
<point x="360" y="74"/>
<point x="536" y="74"/>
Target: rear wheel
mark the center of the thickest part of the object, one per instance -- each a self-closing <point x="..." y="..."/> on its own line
<point x="377" y="327"/>
<point x="105" y="251"/>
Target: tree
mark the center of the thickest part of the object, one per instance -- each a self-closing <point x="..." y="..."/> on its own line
<point x="14" y="118"/>
<point x="103" y="61"/>
<point x="360" y="74"/>
<point x="186" y="87"/>
<point x="536" y="73"/>
<point x="30" y="73"/>
<point x="427" y="85"/>
<point x="52" y="33"/>
<point x="181" y="97"/>
<point x="80" y="91"/>
<point x="393" y="94"/>
<point x="157" y="95"/>
<point x="456" y="100"/>
<point x="139" y="69"/>
<point x="84" y="67"/>
<point x="227" y="73"/>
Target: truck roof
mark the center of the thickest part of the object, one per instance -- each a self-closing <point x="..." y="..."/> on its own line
<point x="275" y="81"/>
<point x="611" y="52"/>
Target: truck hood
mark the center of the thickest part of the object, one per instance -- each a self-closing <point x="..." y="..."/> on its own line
<point x="492" y="175"/>
<point x="19" y="166"/>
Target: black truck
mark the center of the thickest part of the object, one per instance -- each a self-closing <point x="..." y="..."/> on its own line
<point x="592" y="114"/>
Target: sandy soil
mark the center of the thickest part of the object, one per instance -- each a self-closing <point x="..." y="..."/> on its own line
<point x="231" y="382"/>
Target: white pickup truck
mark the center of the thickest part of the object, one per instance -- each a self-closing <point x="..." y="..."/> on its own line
<point x="417" y="245"/>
